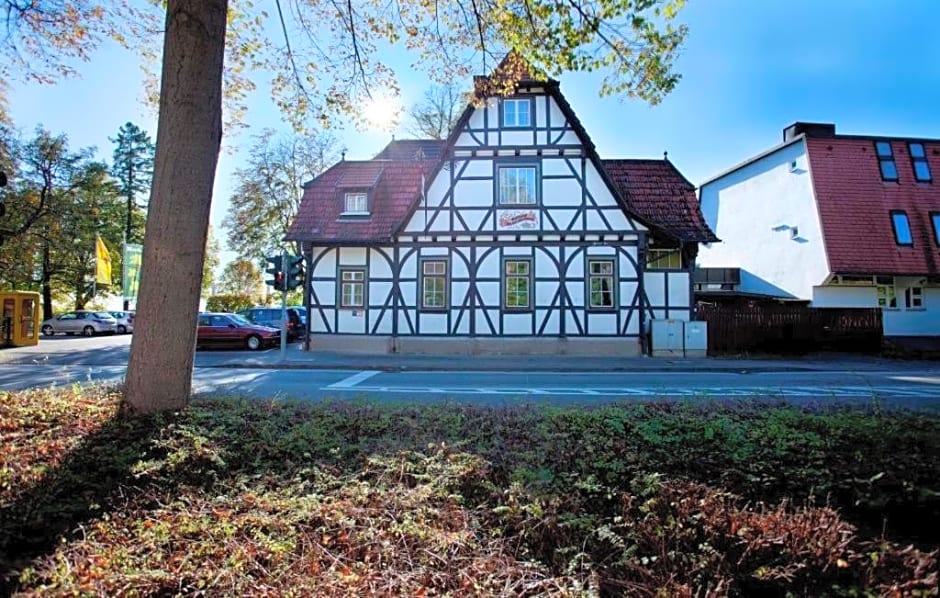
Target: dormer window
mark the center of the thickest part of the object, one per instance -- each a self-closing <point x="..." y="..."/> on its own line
<point x="889" y="169"/>
<point x="919" y="162"/>
<point x="356" y="204"/>
<point x="517" y="112"/>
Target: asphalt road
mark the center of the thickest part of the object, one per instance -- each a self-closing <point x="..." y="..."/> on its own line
<point x="78" y="360"/>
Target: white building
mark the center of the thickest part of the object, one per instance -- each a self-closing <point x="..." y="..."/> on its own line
<point x="837" y="220"/>
<point x="512" y="236"/>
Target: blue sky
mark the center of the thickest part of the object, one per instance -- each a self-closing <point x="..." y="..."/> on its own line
<point x="750" y="67"/>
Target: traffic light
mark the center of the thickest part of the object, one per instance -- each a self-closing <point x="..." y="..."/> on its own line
<point x="295" y="271"/>
<point x="277" y="272"/>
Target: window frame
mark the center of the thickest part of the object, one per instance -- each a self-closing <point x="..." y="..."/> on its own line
<point x="888" y="298"/>
<point x="894" y="214"/>
<point x="529" y="278"/>
<point x="341" y="299"/>
<point x="935" y="221"/>
<point x="614" y="283"/>
<point x="649" y="263"/>
<point x="910" y="299"/>
<point x="885" y="158"/>
<point x="497" y="183"/>
<point x="516" y="101"/>
<point x="346" y="196"/>
<point x="445" y="277"/>
<point x="922" y="159"/>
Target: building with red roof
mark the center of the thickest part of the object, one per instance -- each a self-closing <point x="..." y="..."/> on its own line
<point x="510" y="236"/>
<point x="836" y="220"/>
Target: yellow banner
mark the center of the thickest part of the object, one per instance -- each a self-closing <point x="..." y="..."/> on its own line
<point x="102" y="262"/>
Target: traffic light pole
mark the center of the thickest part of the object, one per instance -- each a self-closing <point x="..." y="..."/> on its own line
<point x="284" y="259"/>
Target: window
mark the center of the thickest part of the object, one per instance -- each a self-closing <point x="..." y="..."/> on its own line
<point x="517" y="113"/>
<point x="517" y="185"/>
<point x="663" y="259"/>
<point x="886" y="297"/>
<point x="601" y="283"/>
<point x="889" y="170"/>
<point x="919" y="162"/>
<point x="914" y="298"/>
<point x="517" y="282"/>
<point x="434" y="284"/>
<point x="352" y="288"/>
<point x="356" y="203"/>
<point x="935" y="219"/>
<point x="902" y="228"/>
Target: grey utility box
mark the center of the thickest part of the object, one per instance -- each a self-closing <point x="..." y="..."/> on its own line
<point x="667" y="338"/>
<point x="696" y="339"/>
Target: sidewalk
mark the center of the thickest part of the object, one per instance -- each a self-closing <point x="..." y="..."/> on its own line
<point x="299" y="359"/>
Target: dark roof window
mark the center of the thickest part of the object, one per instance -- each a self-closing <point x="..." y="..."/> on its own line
<point x="889" y="169"/>
<point x="935" y="219"/>
<point x="902" y="228"/>
<point x="919" y="162"/>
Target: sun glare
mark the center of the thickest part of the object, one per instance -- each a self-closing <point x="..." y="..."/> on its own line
<point x="382" y="112"/>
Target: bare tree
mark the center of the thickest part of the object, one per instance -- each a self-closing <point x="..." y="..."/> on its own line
<point x="437" y="113"/>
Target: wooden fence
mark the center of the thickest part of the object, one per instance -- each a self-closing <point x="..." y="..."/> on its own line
<point x="789" y="329"/>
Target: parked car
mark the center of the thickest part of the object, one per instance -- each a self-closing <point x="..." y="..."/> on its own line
<point x="233" y="330"/>
<point x="271" y="316"/>
<point x="81" y="321"/>
<point x="125" y="321"/>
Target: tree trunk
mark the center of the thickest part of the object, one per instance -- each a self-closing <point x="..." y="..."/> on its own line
<point x="46" y="282"/>
<point x="189" y="132"/>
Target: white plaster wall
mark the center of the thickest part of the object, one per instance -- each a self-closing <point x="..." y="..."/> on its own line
<point x="678" y="293"/>
<point x="654" y="284"/>
<point x="352" y="256"/>
<point x="519" y="323"/>
<point x="432" y="323"/>
<point x="919" y="322"/>
<point x="744" y="206"/>
<point x="844" y="296"/>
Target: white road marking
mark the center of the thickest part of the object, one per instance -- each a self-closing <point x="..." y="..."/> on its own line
<point x="353" y="380"/>
<point x="802" y="391"/>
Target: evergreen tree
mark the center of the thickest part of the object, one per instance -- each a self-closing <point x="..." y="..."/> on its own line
<point x="133" y="169"/>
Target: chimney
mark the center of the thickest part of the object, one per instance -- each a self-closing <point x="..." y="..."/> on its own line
<point x="809" y="129"/>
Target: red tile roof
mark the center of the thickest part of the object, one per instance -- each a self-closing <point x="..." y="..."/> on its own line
<point x="396" y="187"/>
<point x="854" y="206"/>
<point x="657" y="191"/>
<point x="363" y="176"/>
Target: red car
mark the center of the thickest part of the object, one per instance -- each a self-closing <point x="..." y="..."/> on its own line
<point x="233" y="330"/>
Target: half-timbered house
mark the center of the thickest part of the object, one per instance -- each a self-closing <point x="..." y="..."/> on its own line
<point x="512" y="236"/>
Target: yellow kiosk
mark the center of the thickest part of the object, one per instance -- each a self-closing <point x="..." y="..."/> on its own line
<point x="19" y="318"/>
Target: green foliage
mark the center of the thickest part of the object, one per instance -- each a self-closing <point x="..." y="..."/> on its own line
<point x="213" y="257"/>
<point x="58" y="202"/>
<point x="240" y="277"/>
<point x="229" y="303"/>
<point x="268" y="190"/>
<point x="133" y="169"/>
<point x="229" y="497"/>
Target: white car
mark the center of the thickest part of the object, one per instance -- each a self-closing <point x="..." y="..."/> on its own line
<point x="84" y="322"/>
<point x="125" y="321"/>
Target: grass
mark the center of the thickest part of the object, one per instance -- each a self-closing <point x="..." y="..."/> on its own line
<point x="233" y="497"/>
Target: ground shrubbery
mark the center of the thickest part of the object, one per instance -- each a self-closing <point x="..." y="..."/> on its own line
<point x="656" y="499"/>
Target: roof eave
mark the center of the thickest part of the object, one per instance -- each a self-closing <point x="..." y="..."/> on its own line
<point x="751" y="160"/>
